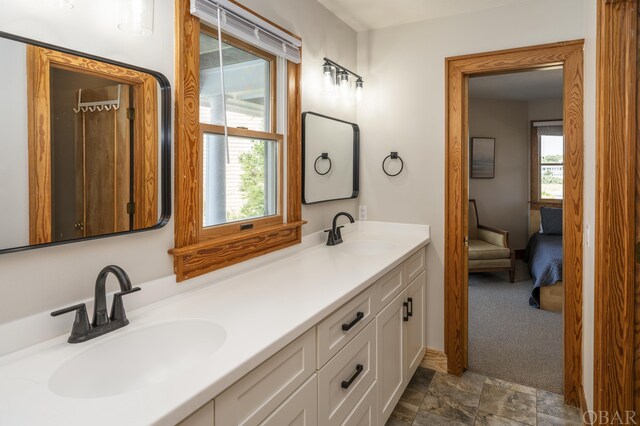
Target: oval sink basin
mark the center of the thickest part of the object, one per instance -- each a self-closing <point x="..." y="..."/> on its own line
<point x="367" y="247"/>
<point x="140" y="358"/>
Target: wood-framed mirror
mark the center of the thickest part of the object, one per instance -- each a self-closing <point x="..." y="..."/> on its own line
<point x="86" y="149"/>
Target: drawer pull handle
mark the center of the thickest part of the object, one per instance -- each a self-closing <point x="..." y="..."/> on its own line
<point x="347" y="327"/>
<point x="405" y="311"/>
<point x="347" y="383"/>
<point x="410" y="311"/>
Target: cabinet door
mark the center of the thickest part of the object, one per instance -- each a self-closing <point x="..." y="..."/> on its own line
<point x="415" y="327"/>
<point x="300" y="409"/>
<point x="391" y="376"/>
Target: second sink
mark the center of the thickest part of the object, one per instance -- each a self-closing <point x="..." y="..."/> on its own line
<point x="367" y="247"/>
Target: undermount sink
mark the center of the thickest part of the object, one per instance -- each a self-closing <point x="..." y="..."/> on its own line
<point x="367" y="247"/>
<point x="139" y="358"/>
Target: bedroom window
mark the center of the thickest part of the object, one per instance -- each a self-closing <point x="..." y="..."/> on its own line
<point x="547" y="162"/>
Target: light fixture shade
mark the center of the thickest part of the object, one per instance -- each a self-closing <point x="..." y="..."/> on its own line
<point x="326" y="69"/>
<point x="359" y="89"/>
<point x="344" y="78"/>
<point x="62" y="4"/>
<point x="136" y="17"/>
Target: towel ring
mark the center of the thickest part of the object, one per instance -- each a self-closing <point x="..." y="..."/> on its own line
<point x="393" y="156"/>
<point x="323" y="156"/>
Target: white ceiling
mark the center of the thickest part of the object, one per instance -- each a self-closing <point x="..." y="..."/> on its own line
<point x="364" y="15"/>
<point x="522" y="86"/>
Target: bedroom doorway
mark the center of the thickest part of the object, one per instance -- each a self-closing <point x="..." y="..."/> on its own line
<point x="514" y="271"/>
<point x="568" y="56"/>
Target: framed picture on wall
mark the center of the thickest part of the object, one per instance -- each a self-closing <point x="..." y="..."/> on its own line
<point x="483" y="158"/>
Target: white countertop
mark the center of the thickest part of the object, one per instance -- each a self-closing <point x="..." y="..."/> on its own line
<point x="262" y="310"/>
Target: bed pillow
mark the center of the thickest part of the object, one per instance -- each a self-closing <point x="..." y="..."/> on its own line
<point x="550" y="221"/>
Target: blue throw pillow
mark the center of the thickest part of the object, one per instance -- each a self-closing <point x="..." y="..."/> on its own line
<point x="550" y="221"/>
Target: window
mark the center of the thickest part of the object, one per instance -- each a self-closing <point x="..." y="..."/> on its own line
<point x="240" y="172"/>
<point x="547" y="162"/>
<point x="238" y="117"/>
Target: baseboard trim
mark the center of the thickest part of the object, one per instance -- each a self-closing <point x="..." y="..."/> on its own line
<point x="435" y="360"/>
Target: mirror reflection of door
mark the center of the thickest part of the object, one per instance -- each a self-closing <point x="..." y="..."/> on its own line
<point x="91" y="152"/>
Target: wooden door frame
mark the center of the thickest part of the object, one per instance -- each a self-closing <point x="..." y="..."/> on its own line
<point x="40" y="60"/>
<point x="458" y="70"/>
<point x="617" y="308"/>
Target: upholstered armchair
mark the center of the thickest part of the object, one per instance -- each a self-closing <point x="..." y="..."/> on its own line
<point x="488" y="247"/>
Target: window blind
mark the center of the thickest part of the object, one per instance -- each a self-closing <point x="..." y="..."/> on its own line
<point x="248" y="27"/>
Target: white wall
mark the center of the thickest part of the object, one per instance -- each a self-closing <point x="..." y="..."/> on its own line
<point x="39" y="280"/>
<point x="545" y="109"/>
<point x="323" y="35"/>
<point x="502" y="202"/>
<point x="14" y="170"/>
<point x="403" y="110"/>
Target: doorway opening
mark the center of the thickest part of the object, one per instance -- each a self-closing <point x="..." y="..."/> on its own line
<point x="568" y="56"/>
<point x="516" y="165"/>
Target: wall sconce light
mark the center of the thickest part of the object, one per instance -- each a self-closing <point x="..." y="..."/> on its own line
<point x="62" y="4"/>
<point x="136" y="17"/>
<point x="335" y="74"/>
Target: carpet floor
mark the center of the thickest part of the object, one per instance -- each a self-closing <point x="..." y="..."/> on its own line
<point x="510" y="340"/>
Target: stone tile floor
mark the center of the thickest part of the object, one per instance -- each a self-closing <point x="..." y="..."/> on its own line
<point x="434" y="398"/>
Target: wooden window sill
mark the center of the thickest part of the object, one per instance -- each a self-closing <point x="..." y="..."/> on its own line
<point x="207" y="256"/>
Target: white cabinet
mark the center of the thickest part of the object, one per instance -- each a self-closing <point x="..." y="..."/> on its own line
<point x="347" y="377"/>
<point x="301" y="409"/>
<point x="202" y="417"/>
<point x="250" y="400"/>
<point x="415" y="327"/>
<point x="366" y="412"/>
<point x="350" y="369"/>
<point x="390" y="336"/>
<point x="401" y="329"/>
<point x="335" y="331"/>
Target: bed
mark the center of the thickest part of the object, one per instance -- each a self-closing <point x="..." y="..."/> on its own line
<point x="544" y="258"/>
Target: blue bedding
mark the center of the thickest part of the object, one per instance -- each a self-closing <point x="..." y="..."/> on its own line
<point x="544" y="256"/>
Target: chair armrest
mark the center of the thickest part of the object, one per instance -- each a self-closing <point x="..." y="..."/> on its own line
<point x="497" y="237"/>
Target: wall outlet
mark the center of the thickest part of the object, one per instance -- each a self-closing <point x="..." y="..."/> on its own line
<point x="362" y="213"/>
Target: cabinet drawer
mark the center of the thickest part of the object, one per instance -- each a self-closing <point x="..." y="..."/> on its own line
<point x="415" y="264"/>
<point x="366" y="412"/>
<point x="300" y="409"/>
<point x="202" y="417"/>
<point x="250" y="400"/>
<point x="341" y="326"/>
<point x="345" y="379"/>
<point x="392" y="284"/>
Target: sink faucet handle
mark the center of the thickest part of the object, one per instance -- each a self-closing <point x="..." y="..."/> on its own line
<point x="81" y="325"/>
<point x="338" y="233"/>
<point x="331" y="238"/>
<point x="117" y="307"/>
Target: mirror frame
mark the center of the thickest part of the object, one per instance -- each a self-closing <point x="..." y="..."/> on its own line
<point x="164" y="140"/>
<point x="356" y="158"/>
